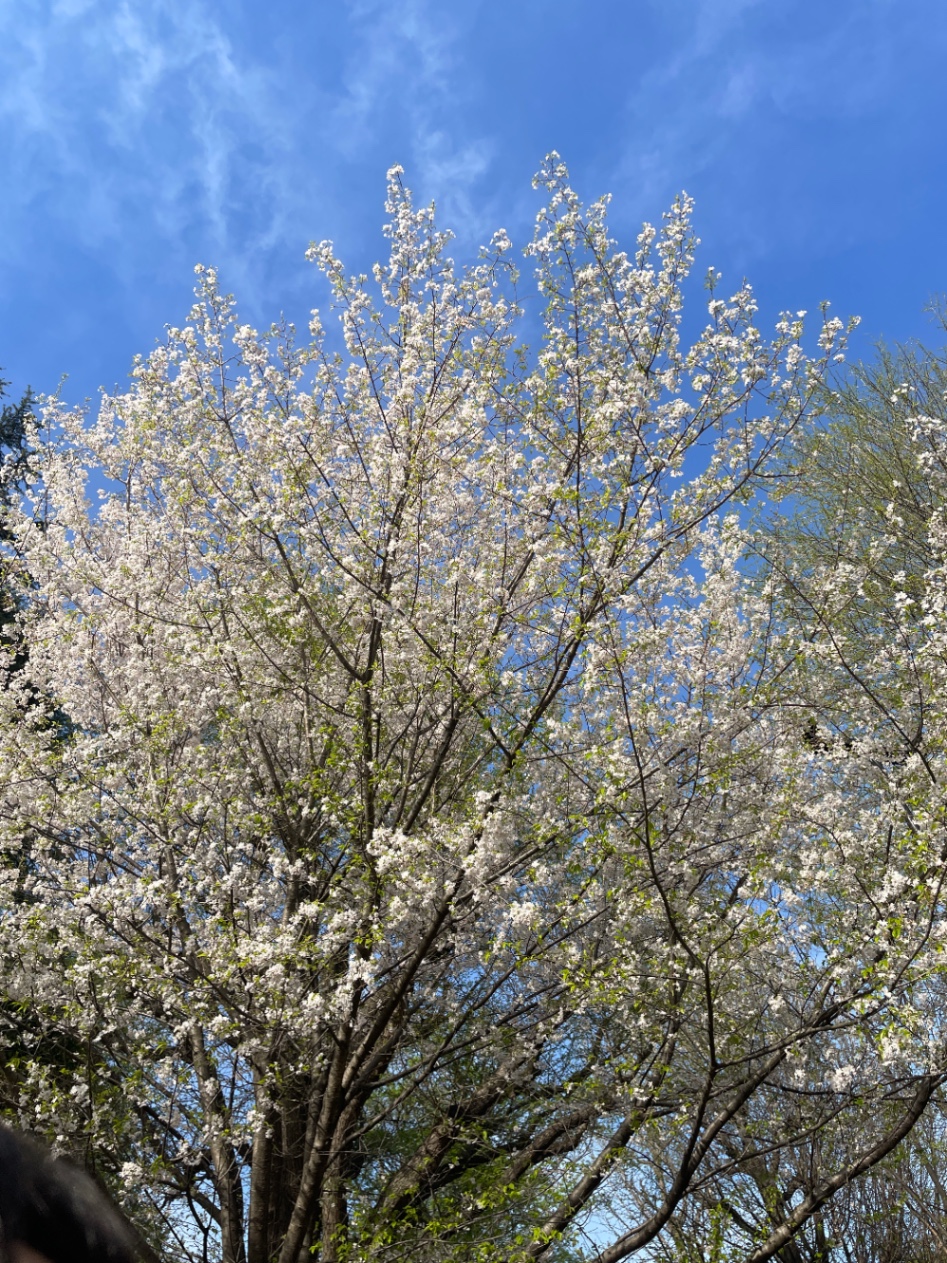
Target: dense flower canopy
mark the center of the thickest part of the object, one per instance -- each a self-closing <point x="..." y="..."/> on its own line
<point x="418" y="839"/>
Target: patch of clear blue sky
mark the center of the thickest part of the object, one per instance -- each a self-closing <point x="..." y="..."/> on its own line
<point x="138" y="137"/>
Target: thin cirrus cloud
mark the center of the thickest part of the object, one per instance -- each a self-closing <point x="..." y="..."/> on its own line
<point x="139" y="137"/>
<point x="405" y="91"/>
<point x="131" y="125"/>
<point x="785" y="119"/>
<point x="133" y="115"/>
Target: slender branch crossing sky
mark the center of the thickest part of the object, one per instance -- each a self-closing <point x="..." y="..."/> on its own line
<point x="139" y="138"/>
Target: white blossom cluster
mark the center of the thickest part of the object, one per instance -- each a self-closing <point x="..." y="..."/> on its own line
<point x="406" y="815"/>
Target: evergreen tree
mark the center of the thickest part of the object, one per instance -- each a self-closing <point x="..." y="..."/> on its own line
<point x="14" y="455"/>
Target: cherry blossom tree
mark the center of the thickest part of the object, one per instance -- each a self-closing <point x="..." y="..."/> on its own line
<point x="433" y="864"/>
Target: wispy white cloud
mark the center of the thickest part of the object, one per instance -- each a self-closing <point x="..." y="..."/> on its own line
<point x="140" y="122"/>
<point x="146" y="128"/>
<point x="736" y="74"/>
<point x="400" y="58"/>
<point x="408" y="61"/>
<point x="138" y="137"/>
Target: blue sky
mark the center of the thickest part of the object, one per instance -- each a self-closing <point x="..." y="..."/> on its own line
<point x="137" y="139"/>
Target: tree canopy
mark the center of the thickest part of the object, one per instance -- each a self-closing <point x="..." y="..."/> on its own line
<point x="439" y="862"/>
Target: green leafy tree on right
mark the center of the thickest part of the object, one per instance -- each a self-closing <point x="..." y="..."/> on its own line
<point x="856" y="499"/>
<point x="851" y="552"/>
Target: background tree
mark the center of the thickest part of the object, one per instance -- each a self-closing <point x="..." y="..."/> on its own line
<point x="14" y="454"/>
<point x="859" y="492"/>
<point x="26" y="1040"/>
<point x="433" y="865"/>
<point x="853" y="559"/>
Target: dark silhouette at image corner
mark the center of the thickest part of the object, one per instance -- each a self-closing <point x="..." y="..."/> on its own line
<point x="52" y="1212"/>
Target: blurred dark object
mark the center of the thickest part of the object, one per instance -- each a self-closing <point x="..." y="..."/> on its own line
<point x="51" y="1209"/>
